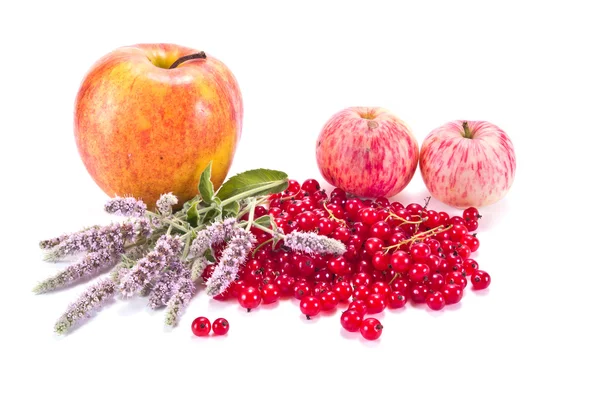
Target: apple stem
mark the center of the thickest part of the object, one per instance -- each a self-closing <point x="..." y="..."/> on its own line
<point x="468" y="134"/>
<point x="187" y="58"/>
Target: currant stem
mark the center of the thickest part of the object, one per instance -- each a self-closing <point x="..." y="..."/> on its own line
<point x="183" y="59"/>
<point x="419" y="236"/>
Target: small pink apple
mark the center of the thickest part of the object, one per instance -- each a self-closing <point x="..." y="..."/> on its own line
<point x="468" y="163"/>
<point x="367" y="151"/>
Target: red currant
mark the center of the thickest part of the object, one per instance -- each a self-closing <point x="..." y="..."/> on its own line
<point x="381" y="287"/>
<point x="270" y="293"/>
<point x="368" y="216"/>
<point x="361" y="293"/>
<point x="471" y="213"/>
<point x="310" y="186"/>
<point x="329" y="300"/>
<point x="400" y="285"/>
<point x="435" y="301"/>
<point x="201" y="326"/>
<point x="470" y="266"/>
<point x="418" y="293"/>
<point x="371" y="329"/>
<point x="362" y="279"/>
<point x="396" y="300"/>
<point x="381" y="230"/>
<point x="420" y="252"/>
<point x="400" y="261"/>
<point x="480" y="280"/>
<point x="457" y="278"/>
<point x="220" y="326"/>
<point x="373" y="245"/>
<point x="381" y="261"/>
<point x="452" y="293"/>
<point x="302" y="289"/>
<point x="343" y="290"/>
<point x="418" y="273"/>
<point x="249" y="298"/>
<point x="310" y="306"/>
<point x="471" y="242"/>
<point x="358" y="305"/>
<point x="376" y="303"/>
<point x="351" y="320"/>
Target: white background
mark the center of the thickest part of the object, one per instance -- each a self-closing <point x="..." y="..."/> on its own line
<point x="531" y="68"/>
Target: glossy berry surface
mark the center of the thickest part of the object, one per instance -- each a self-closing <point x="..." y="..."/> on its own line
<point x="435" y="301"/>
<point x="201" y="326"/>
<point x="371" y="329"/>
<point x="310" y="306"/>
<point x="351" y="320"/>
<point x="480" y="280"/>
<point x="220" y="326"/>
<point x="249" y="298"/>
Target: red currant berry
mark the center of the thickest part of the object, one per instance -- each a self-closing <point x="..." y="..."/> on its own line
<point x="418" y="273"/>
<point x="307" y="220"/>
<point x="310" y="186"/>
<point x="270" y="293"/>
<point x="463" y="251"/>
<point x="396" y="300"/>
<point x="414" y="208"/>
<point x="452" y="293"/>
<point x="457" y="278"/>
<point x="470" y="266"/>
<point x="420" y="252"/>
<point x="351" y="320"/>
<point x="352" y="207"/>
<point x="325" y="226"/>
<point x="320" y="288"/>
<point x="201" y="326"/>
<point x="361" y="293"/>
<point x="310" y="306"/>
<point x="435" y="301"/>
<point x="457" y="232"/>
<point x="480" y="280"/>
<point x="400" y="261"/>
<point x="381" y="287"/>
<point x="376" y="303"/>
<point x="293" y="188"/>
<point x="418" y="293"/>
<point x="433" y="219"/>
<point x="337" y="265"/>
<point x="343" y="290"/>
<point x="220" y="326"/>
<point x="373" y="245"/>
<point x="368" y="216"/>
<point x="362" y="279"/>
<point x="339" y="193"/>
<point x="249" y="298"/>
<point x="400" y="285"/>
<point x="358" y="305"/>
<point x="471" y="213"/>
<point x="444" y="217"/>
<point x="371" y="329"/>
<point x="329" y="300"/>
<point x="381" y="230"/>
<point x="302" y="289"/>
<point x="381" y="261"/>
<point x="471" y="225"/>
<point x="436" y="282"/>
<point x="471" y="242"/>
<point x="342" y="234"/>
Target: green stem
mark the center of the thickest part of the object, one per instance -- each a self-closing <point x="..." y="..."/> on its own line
<point x="468" y="134"/>
<point x="186" y="249"/>
<point x="251" y="215"/>
<point x="261" y="245"/>
<point x="249" y="193"/>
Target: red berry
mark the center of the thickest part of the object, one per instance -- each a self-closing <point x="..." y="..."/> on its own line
<point x="361" y="293"/>
<point x="371" y="329"/>
<point x="329" y="300"/>
<point x="400" y="285"/>
<point x="220" y="326"/>
<point x="396" y="300"/>
<point x="358" y="305"/>
<point x="400" y="261"/>
<point x="452" y="293"/>
<point x="270" y="293"/>
<point x="310" y="186"/>
<point x="471" y="242"/>
<point x="470" y="266"/>
<point x="302" y="289"/>
<point x="249" y="298"/>
<point x="368" y="216"/>
<point x="343" y="290"/>
<point x="471" y="225"/>
<point x="339" y="193"/>
<point x="376" y="303"/>
<point x="480" y="280"/>
<point x="285" y="284"/>
<point x="457" y="278"/>
<point x="418" y="293"/>
<point x="362" y="279"/>
<point x="342" y="234"/>
<point x="325" y="226"/>
<point x="381" y="230"/>
<point x="381" y="287"/>
<point x="373" y="245"/>
<point x="293" y="188"/>
<point x="435" y="301"/>
<point x="457" y="232"/>
<point x="337" y="265"/>
<point x="471" y="213"/>
<point x="420" y="252"/>
<point x="310" y="306"/>
<point x="436" y="282"/>
<point x="381" y="261"/>
<point x="418" y="273"/>
<point x="201" y="326"/>
<point x="351" y="320"/>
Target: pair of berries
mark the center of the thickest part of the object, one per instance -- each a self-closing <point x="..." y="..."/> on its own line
<point x="201" y="326"/>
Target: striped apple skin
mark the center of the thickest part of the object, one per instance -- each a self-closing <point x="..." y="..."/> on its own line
<point x="367" y="151"/>
<point x="468" y="172"/>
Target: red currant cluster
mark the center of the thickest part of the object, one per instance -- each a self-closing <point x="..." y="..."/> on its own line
<point x="201" y="326"/>
<point x="394" y="253"/>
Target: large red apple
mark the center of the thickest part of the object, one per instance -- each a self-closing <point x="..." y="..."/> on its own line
<point x="143" y="128"/>
<point x="468" y="163"/>
<point x="368" y="152"/>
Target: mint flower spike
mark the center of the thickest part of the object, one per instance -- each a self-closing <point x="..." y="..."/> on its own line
<point x="91" y="300"/>
<point x="179" y="300"/>
<point x="213" y="235"/>
<point x="166" y="285"/>
<point x="92" y="264"/>
<point x="165" y="203"/>
<point x="111" y="238"/>
<point x="126" y="207"/>
<point x="311" y="243"/>
<point x="198" y="267"/>
<point x="232" y="258"/>
<point x="167" y="249"/>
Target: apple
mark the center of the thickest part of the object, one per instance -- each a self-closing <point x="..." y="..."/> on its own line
<point x="150" y="117"/>
<point x="367" y="151"/>
<point x="468" y="163"/>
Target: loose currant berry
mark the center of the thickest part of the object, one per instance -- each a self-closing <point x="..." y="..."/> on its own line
<point x="352" y="208"/>
<point x="320" y="288"/>
<point x="220" y="326"/>
<point x="396" y="238"/>
<point x="292" y="189"/>
<point x="400" y="261"/>
<point x="362" y="279"/>
<point x="457" y="232"/>
<point x="380" y="230"/>
<point x="342" y="234"/>
<point x="373" y="245"/>
<point x="310" y="186"/>
<point x="420" y="252"/>
<point x="329" y="300"/>
<point x="381" y="261"/>
<point x="418" y="273"/>
<point x="444" y="217"/>
<point x="270" y="293"/>
<point x="435" y="301"/>
<point x="470" y="266"/>
<point x="418" y="293"/>
<point x="285" y="284"/>
<point x="361" y="293"/>
<point x="447" y="246"/>
<point x="400" y="285"/>
<point x="304" y="266"/>
<point x="339" y="193"/>
<point x="337" y="265"/>
<point x="343" y="290"/>
<point x="463" y="251"/>
<point x="471" y="225"/>
<point x="368" y="216"/>
<point x="433" y="219"/>
<point x="351" y="320"/>
<point x="480" y="280"/>
<point x="249" y="298"/>
<point x="376" y="303"/>
<point x="452" y="293"/>
<point x="433" y="262"/>
<point x="358" y="305"/>
<point x="307" y="221"/>
<point x="381" y="287"/>
<point x="471" y="213"/>
<point x="457" y="278"/>
<point x="325" y="226"/>
<point x="470" y="241"/>
<point x="437" y="282"/>
<point x="371" y="329"/>
<point x="396" y="300"/>
<point x="310" y="306"/>
<point x="201" y="326"/>
<point x="414" y="208"/>
<point x="302" y="289"/>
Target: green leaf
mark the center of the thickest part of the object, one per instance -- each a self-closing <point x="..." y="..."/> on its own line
<point x="205" y="186"/>
<point x="208" y="254"/>
<point x="265" y="221"/>
<point x="192" y="214"/>
<point x="231" y="209"/>
<point x="256" y="182"/>
<point x="211" y="215"/>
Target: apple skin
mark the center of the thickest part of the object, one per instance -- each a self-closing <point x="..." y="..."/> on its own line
<point x="468" y="172"/>
<point x="367" y="151"/>
<point x="143" y="129"/>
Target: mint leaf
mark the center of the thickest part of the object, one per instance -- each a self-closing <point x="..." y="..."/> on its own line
<point x="256" y="182"/>
<point x="231" y="210"/>
<point x="192" y="216"/>
<point x="205" y="186"/>
<point x="265" y="221"/>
